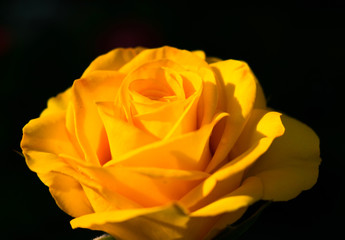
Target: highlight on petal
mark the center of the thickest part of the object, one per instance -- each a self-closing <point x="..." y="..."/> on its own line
<point x="237" y="87"/>
<point x="164" y="222"/>
<point x="291" y="164"/>
<point x="113" y="60"/>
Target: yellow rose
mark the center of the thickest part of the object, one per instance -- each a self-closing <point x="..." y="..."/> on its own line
<point x="166" y="144"/>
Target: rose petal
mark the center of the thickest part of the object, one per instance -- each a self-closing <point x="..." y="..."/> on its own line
<point x="172" y="153"/>
<point x="161" y="98"/>
<point x="58" y="104"/>
<point x="97" y="184"/>
<point x="85" y="122"/>
<point x="223" y="221"/>
<point x="113" y="60"/>
<point x="184" y="58"/>
<point x="47" y="134"/>
<point x="156" y="187"/>
<point x="107" y="191"/>
<point x="207" y="106"/>
<point x="237" y="88"/>
<point x="250" y="191"/>
<point x="69" y="195"/>
<point x="259" y="132"/>
<point x="164" y="222"/>
<point x="123" y="137"/>
<point x="201" y="54"/>
<point x="291" y="163"/>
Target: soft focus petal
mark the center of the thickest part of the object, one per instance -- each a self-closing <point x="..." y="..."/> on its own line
<point x="291" y="164"/>
<point x="113" y="60"/>
<point x="237" y="88"/>
<point x="165" y="222"/>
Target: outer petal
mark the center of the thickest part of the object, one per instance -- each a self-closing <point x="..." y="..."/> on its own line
<point x="47" y="134"/>
<point x="291" y="163"/>
<point x="165" y="222"/>
<point x="43" y="139"/>
<point x="237" y="87"/>
<point x="59" y="103"/>
<point x="113" y="60"/>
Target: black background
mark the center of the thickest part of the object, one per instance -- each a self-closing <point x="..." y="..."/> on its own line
<point x="296" y="51"/>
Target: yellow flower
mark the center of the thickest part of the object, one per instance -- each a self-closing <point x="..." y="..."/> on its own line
<point x="166" y="144"/>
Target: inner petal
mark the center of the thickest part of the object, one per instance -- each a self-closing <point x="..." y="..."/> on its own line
<point x="157" y="95"/>
<point x="149" y="89"/>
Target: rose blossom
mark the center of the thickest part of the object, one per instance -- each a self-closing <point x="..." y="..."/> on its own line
<point x="166" y="144"/>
